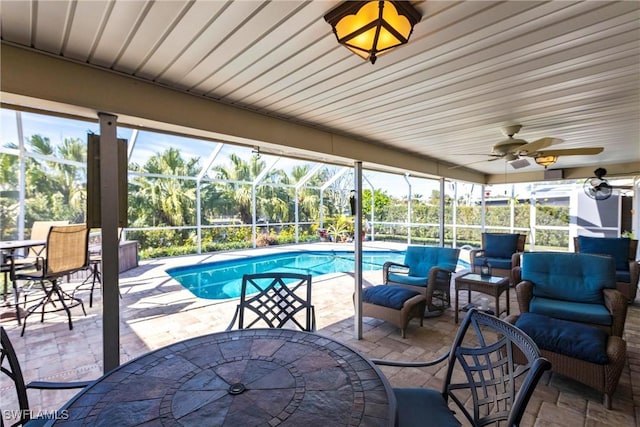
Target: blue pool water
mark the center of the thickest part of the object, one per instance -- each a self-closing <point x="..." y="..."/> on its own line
<point x="223" y="279"/>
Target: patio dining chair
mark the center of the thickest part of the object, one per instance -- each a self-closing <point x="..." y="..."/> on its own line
<point x="95" y="265"/>
<point x="482" y="379"/>
<point x="39" y="231"/>
<point x="67" y="252"/>
<point x="10" y="366"/>
<point x="275" y="300"/>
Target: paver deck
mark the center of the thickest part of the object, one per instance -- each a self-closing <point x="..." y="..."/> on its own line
<point x="157" y="311"/>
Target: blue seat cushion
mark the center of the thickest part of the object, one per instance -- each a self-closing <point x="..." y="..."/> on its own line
<point x="615" y="247"/>
<point x="503" y="263"/>
<point x="442" y="277"/>
<point x="407" y="280"/>
<point x="568" y="310"/>
<point x="418" y="407"/>
<point x="391" y="296"/>
<point x="500" y="245"/>
<point x="571" y="339"/>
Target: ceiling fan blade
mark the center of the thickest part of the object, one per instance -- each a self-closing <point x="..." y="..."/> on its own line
<point x="587" y="151"/>
<point x="493" y="157"/>
<point x="538" y="144"/>
<point x="466" y="164"/>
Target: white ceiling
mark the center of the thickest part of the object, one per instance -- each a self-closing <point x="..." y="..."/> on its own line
<point x="562" y="69"/>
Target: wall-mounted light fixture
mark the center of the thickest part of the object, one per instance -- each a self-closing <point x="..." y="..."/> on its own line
<point x="370" y="28"/>
<point x="546" y="161"/>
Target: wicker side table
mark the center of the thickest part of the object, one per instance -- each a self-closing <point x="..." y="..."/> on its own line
<point x="490" y="285"/>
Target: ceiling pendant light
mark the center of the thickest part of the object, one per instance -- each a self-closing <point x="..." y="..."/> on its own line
<point x="370" y="28"/>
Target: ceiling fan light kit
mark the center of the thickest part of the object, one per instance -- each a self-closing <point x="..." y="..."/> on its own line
<point x="546" y="161"/>
<point x="371" y="28"/>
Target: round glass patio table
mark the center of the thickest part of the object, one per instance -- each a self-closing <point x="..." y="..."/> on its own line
<point x="250" y="377"/>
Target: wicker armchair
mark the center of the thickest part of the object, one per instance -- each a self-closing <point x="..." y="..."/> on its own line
<point x="571" y="309"/>
<point x="624" y="251"/>
<point x="426" y="270"/>
<point x="571" y="287"/>
<point x="501" y="250"/>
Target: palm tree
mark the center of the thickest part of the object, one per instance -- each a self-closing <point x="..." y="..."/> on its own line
<point x="235" y="192"/>
<point x="9" y="203"/>
<point x="164" y="200"/>
<point x="308" y="198"/>
<point x="56" y="190"/>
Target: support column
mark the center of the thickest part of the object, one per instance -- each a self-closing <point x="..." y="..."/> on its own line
<point x="357" y="238"/>
<point x="108" y="199"/>
<point x="442" y="199"/>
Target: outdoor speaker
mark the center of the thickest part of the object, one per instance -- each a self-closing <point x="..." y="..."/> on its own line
<point x="553" y="174"/>
<point x="94" y="218"/>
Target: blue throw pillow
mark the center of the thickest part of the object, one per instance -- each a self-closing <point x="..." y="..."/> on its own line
<point x="617" y="248"/>
<point x="571" y="339"/>
<point x="500" y="245"/>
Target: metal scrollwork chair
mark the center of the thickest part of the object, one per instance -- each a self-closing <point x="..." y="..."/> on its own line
<point x="275" y="300"/>
<point x="482" y="378"/>
<point x="10" y="366"/>
<point x="67" y="252"/>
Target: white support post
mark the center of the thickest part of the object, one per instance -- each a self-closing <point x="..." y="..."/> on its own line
<point x="357" y="237"/>
<point x="22" y="176"/>
<point x="409" y="208"/>
<point x="442" y="212"/>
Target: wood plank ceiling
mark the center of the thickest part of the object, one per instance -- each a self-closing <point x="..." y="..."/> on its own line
<point x="562" y="69"/>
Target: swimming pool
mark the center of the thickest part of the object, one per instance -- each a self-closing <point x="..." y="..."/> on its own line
<point x="223" y="279"/>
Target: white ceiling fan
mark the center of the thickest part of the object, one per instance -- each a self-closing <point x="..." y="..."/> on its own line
<point x="514" y="150"/>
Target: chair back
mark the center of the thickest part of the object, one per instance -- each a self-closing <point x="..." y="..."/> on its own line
<point x="95" y="240"/>
<point x="503" y="245"/>
<point x="569" y="276"/>
<point x="67" y="249"/>
<point x="40" y="231"/>
<point x="484" y="350"/>
<point x="621" y="249"/>
<point x="275" y="300"/>
<point x="10" y="367"/>
<point x="421" y="259"/>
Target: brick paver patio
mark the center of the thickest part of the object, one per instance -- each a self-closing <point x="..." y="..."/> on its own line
<point x="157" y="311"/>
